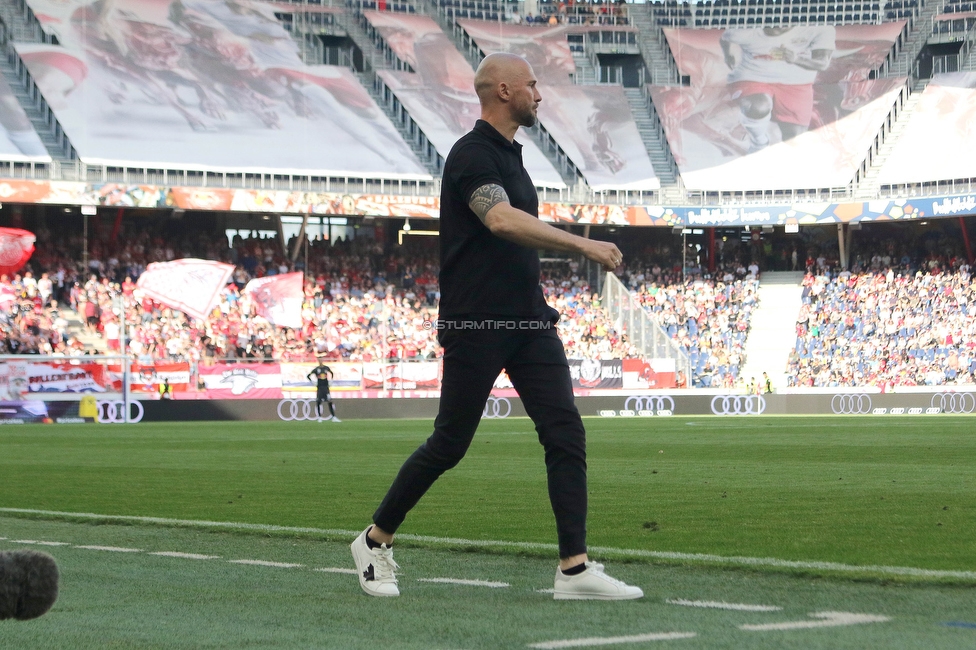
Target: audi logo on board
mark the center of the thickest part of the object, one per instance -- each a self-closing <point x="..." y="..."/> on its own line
<point x="110" y="412"/>
<point x="850" y="404"/>
<point x="738" y="404"/>
<point x="955" y="403"/>
<point x="645" y="405"/>
<point x="297" y="410"/>
<point x="497" y="407"/>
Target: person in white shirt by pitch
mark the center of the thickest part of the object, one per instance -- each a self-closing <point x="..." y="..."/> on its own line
<point x="773" y="72"/>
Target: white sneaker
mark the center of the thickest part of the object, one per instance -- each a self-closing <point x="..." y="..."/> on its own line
<point x="335" y="419"/>
<point x="593" y="584"/>
<point x="375" y="567"/>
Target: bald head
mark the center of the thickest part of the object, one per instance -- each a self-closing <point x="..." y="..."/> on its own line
<point x="506" y="88"/>
<point x="497" y="68"/>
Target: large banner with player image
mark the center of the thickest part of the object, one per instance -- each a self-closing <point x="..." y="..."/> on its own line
<point x="207" y="83"/>
<point x="940" y="137"/>
<point x="593" y="124"/>
<point x="776" y="107"/>
<point x="438" y="90"/>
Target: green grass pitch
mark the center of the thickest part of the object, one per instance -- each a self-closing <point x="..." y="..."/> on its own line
<point x="861" y="491"/>
<point x="864" y="492"/>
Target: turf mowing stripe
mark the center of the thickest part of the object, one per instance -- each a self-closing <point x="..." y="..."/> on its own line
<point x="693" y="558"/>
<point x="112" y="549"/>
<point x="186" y="556"/>
<point x="351" y="572"/>
<point x="470" y="583"/>
<point x="278" y="565"/>
<point x="828" y="619"/>
<point x="717" y="605"/>
<point x="612" y="640"/>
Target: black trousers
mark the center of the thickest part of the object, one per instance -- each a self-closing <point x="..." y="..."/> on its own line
<point x="537" y="366"/>
<point x="324" y="396"/>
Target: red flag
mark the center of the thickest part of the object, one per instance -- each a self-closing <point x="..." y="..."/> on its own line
<point x="278" y="298"/>
<point x="16" y="247"/>
<point x="190" y="285"/>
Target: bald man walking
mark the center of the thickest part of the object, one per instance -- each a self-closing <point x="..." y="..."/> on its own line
<point x="493" y="316"/>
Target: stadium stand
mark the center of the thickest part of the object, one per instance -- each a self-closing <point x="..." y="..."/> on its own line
<point x="362" y="303"/>
<point x="701" y="130"/>
<point x="885" y="329"/>
<point x="223" y="74"/>
<point x="727" y="13"/>
<point x="902" y="315"/>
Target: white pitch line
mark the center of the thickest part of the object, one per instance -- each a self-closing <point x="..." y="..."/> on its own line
<point x="279" y="565"/>
<point x="113" y="549"/>
<point x="470" y="583"/>
<point x="828" y="619"/>
<point x="711" y="604"/>
<point x="612" y="640"/>
<point x="37" y="542"/>
<point x="594" y="550"/>
<point x="351" y="572"/>
<point x="186" y="556"/>
<point x="545" y="591"/>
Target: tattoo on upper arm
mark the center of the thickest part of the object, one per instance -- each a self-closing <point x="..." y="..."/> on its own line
<point x="485" y="198"/>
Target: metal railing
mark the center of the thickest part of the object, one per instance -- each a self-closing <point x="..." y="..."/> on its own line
<point x="641" y="328"/>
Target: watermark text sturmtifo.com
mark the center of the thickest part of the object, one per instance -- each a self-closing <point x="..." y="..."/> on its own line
<point x="488" y="324"/>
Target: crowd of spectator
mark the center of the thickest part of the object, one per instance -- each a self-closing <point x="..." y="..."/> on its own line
<point x="363" y="303"/>
<point x="894" y="319"/>
<point x="887" y="326"/>
<point x="708" y="317"/>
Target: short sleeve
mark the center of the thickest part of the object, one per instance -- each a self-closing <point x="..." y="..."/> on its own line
<point x="474" y="166"/>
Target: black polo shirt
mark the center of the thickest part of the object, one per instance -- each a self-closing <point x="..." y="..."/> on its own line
<point x="482" y="273"/>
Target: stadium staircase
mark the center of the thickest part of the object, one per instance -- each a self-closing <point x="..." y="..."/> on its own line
<point x="661" y="71"/>
<point x="373" y="60"/>
<point x="586" y="72"/>
<point x="870" y="185"/>
<point x="656" y="144"/>
<point x="903" y="65"/>
<point x="653" y="46"/>
<point x="17" y="28"/>
<point x="919" y="30"/>
<point x="772" y="334"/>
